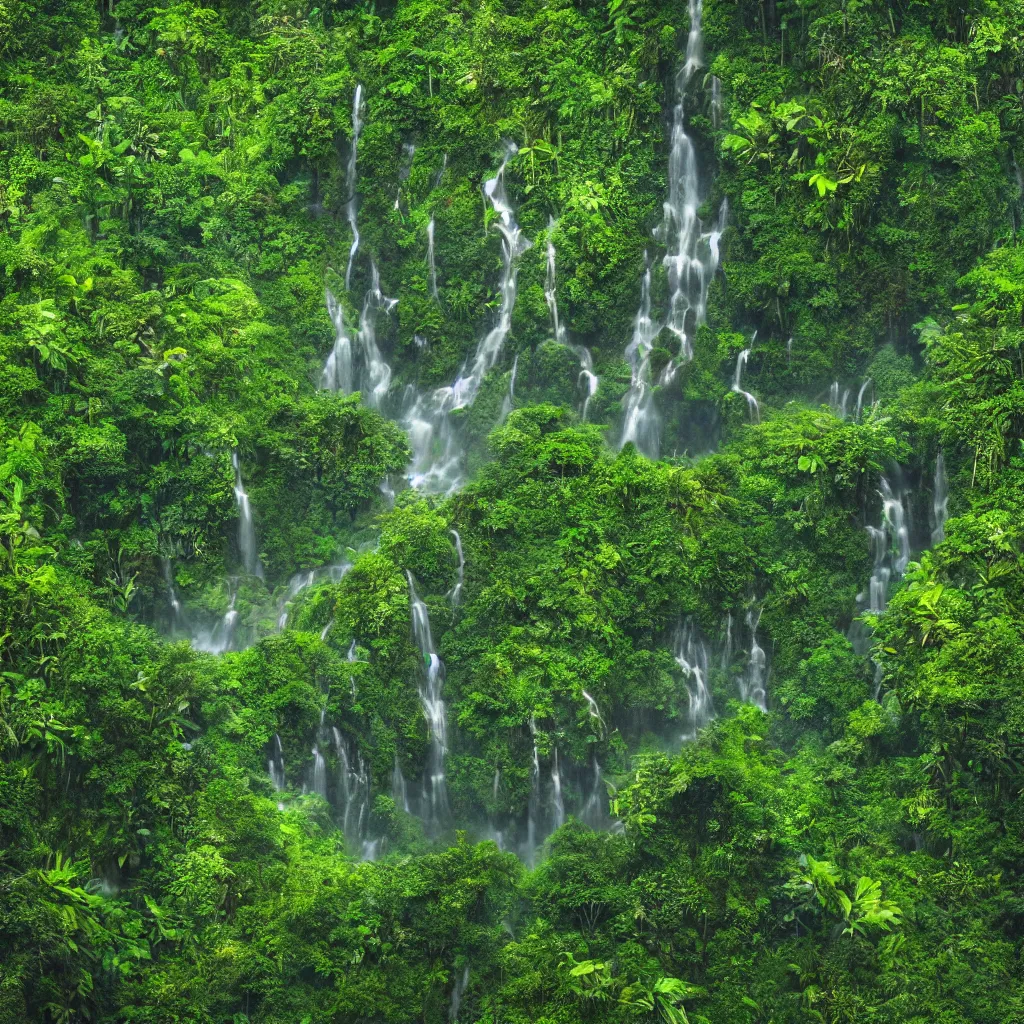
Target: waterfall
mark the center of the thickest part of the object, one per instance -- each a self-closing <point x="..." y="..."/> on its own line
<point x="558" y="804"/>
<point x="222" y="636"/>
<point x="595" y="809"/>
<point x="377" y="372"/>
<point x="587" y="377"/>
<point x="890" y="555"/>
<point x="275" y="764"/>
<point x="173" y="602"/>
<point x="737" y="383"/>
<point x="353" y="788"/>
<point x="789" y="351"/>
<point x="431" y="261"/>
<point x="640" y="424"/>
<point x="691" y="260"/>
<point x="514" y="244"/>
<point x="247" y="544"/>
<point x="550" y="288"/>
<point x="727" y="645"/>
<point x="319" y="784"/>
<point x="352" y="207"/>
<point x="508" y="402"/>
<point x="327" y="629"/>
<point x="441" y="170"/>
<point x="437" y="448"/>
<point x="435" y="789"/>
<point x="455" y="594"/>
<point x="753" y="685"/>
<point x="839" y="406"/>
<point x="594" y="711"/>
<point x="351" y="658"/>
<point x="496" y="784"/>
<point x="337" y="371"/>
<point x="302" y="581"/>
<point x="692" y="257"/>
<point x="691" y="656"/>
<point x="458" y="992"/>
<point x="533" y="806"/>
<point x="940" y="500"/>
<point x="859" y="409"/>
<point x="399" y="789"/>
<point x="716" y="102"/>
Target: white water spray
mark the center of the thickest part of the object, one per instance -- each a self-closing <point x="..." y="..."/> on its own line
<point x="435" y="788"/>
<point x="753" y="408"/>
<point x="455" y="594"/>
<point x="940" y="500"/>
<point x="352" y="208"/>
<point x="431" y="261"/>
<point x="247" y="544"/>
<point x="691" y="654"/>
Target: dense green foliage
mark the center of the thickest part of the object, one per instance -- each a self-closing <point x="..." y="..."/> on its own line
<point x="172" y="204"/>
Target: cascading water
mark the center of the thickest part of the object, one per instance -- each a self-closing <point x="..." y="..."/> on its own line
<point x="514" y="244"/>
<point x="859" y="408"/>
<point x="691" y="260"/>
<point x="275" y="764"/>
<point x="431" y="261"/>
<point x="691" y="654"/>
<point x="551" y="288"/>
<point x="351" y="658"/>
<point x="557" y="801"/>
<point x="222" y="637"/>
<point x="352" y="207"/>
<point x="890" y="555"/>
<point x="838" y="405"/>
<point x="533" y="805"/>
<point x="587" y="378"/>
<point x="173" y="602"/>
<point x="716" y="102"/>
<point x="693" y="255"/>
<point x="353" y="788"/>
<point x="247" y="544"/>
<point x="737" y="382"/>
<point x="337" y="373"/>
<point x="438" y="450"/>
<point x="509" y="401"/>
<point x="399" y="787"/>
<point x="303" y="581"/>
<point x="435" y="788"/>
<point x="461" y="984"/>
<point x="940" y="500"/>
<point x="595" y="808"/>
<point x="640" y="425"/>
<point x="376" y="371"/>
<point x="594" y="711"/>
<point x="455" y="594"/>
<point x="753" y="685"/>
<point x="319" y="777"/>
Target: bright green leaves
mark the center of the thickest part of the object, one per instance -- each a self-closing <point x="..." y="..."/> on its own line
<point x="862" y="910"/>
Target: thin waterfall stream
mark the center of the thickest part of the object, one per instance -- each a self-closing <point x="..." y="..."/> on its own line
<point x="691" y="261"/>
